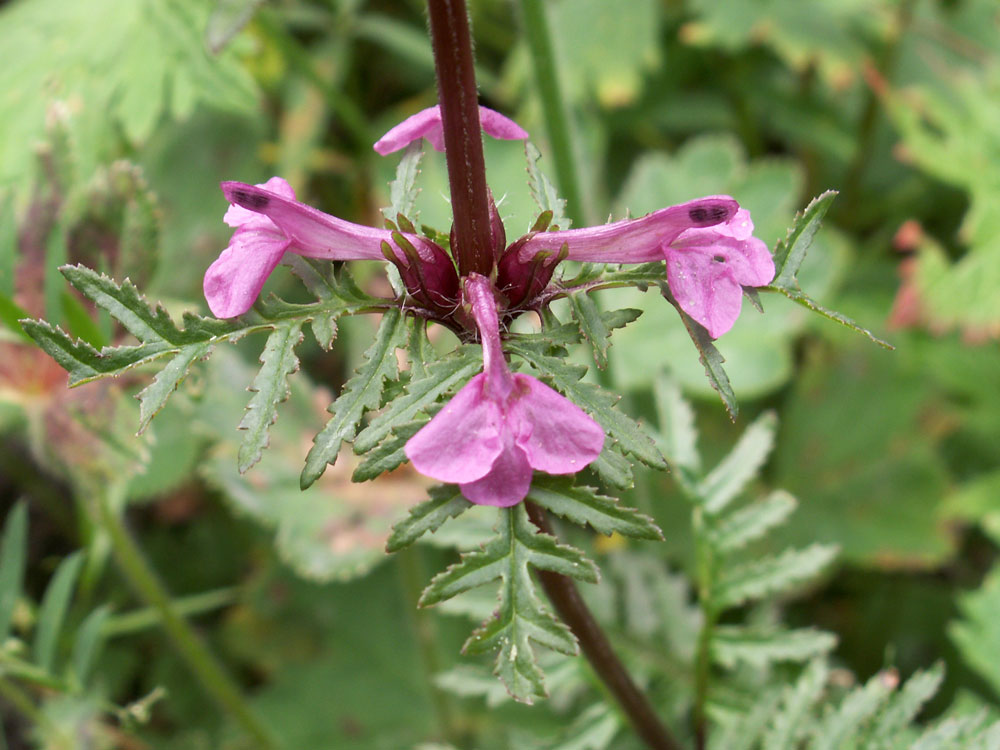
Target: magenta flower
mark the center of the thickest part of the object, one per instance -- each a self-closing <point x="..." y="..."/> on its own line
<point x="427" y="124"/>
<point x="269" y="222"/>
<point x="708" y="245"/>
<point x="502" y="425"/>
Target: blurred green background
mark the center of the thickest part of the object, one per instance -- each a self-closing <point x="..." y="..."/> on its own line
<point x="119" y="119"/>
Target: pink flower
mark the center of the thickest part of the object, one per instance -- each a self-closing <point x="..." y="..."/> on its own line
<point x="427" y="124"/>
<point x="501" y="425"/>
<point x="708" y="245"/>
<point x="269" y="222"/>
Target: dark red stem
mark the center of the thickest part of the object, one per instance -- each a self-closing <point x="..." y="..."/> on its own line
<point x="463" y="139"/>
<point x="565" y="597"/>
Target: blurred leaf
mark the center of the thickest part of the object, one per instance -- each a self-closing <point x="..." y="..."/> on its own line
<point x="88" y="639"/>
<point x="13" y="557"/>
<point x="740" y="465"/>
<point x="791" y="251"/>
<point x="676" y="420"/>
<point x="764" y="577"/>
<point x="543" y="191"/>
<point x="53" y="610"/>
<point x="732" y="645"/>
<point x="904" y="706"/>
<point x="977" y="634"/>
<point x="403" y="190"/>
<point x="270" y="389"/>
<point x="841" y="727"/>
<point x="227" y="20"/>
<point x="521" y="619"/>
<point x="752" y="521"/>
<point x="583" y="505"/>
<point x="593" y="729"/>
<point x="791" y="719"/>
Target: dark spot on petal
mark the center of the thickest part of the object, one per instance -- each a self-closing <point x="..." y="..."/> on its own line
<point x="719" y="259"/>
<point x="250" y="201"/>
<point x="708" y="215"/>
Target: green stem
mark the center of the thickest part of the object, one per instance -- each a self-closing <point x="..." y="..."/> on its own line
<point x="539" y="38"/>
<point x="148" y="617"/>
<point x="202" y="663"/>
<point x="410" y="565"/>
<point x="704" y="576"/>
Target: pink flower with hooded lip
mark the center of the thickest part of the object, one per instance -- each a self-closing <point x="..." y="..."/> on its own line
<point x="427" y="124"/>
<point x="269" y="222"/>
<point x="708" y="245"/>
<point x="501" y="425"/>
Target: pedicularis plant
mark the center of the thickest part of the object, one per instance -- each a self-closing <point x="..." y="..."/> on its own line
<point x="504" y="419"/>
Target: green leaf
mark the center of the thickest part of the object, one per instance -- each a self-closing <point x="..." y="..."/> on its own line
<point x="270" y="389"/>
<point x="592" y="326"/>
<point x="977" y="634"/>
<point x="543" y="191"/>
<point x="629" y="435"/>
<point x="733" y="644"/>
<point x="790" y="252"/>
<point x="13" y="556"/>
<point x="676" y="419"/>
<point x="361" y="393"/>
<point x="10" y="316"/>
<point x="227" y="20"/>
<point x="403" y="190"/>
<point x="593" y="729"/>
<point x="445" y="502"/>
<point x="612" y="468"/>
<point x="791" y="720"/>
<point x="840" y="727"/>
<point x="389" y="454"/>
<point x="87" y="643"/>
<point x="710" y="357"/>
<point x="801" y="298"/>
<point x="751" y="522"/>
<point x="583" y="505"/>
<point x="521" y="619"/>
<point x="772" y="575"/>
<point x="906" y="704"/>
<point x="442" y="376"/>
<point x="742" y="463"/>
<point x="154" y="396"/>
<point x="52" y="611"/>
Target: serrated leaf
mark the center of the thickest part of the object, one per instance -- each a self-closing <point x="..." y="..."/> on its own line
<point x="789" y="252"/>
<point x="676" y="420"/>
<point x="227" y="20"/>
<point x="840" y="727"/>
<point x="771" y="575"/>
<point x="710" y="357"/>
<point x="732" y="644"/>
<point x="359" y="394"/>
<point x="906" y="704"/>
<point x="13" y="556"/>
<point x="445" y="502"/>
<point x="791" y="720"/>
<point x="403" y="190"/>
<point x="87" y="642"/>
<point x="629" y="435"/>
<point x="419" y="351"/>
<point x="52" y="611"/>
<point x="521" y="619"/>
<point x="154" y="396"/>
<point x="612" y="468"/>
<point x="751" y="522"/>
<point x="270" y="388"/>
<point x="740" y="465"/>
<point x="583" y="505"/>
<point x="389" y="454"/>
<point x="442" y="376"/>
<point x="801" y="298"/>
<point x="542" y="190"/>
<point x="592" y="326"/>
<point x="593" y="729"/>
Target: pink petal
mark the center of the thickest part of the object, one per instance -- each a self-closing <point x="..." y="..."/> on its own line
<point x="634" y="240"/>
<point x="313" y="233"/>
<point x="506" y="484"/>
<point x="557" y="436"/>
<point x="235" y="279"/>
<point x="427" y="124"/>
<point x="747" y="258"/>
<point x="461" y="443"/>
<point x="479" y="293"/>
<point x="237" y="216"/>
<point x="704" y="288"/>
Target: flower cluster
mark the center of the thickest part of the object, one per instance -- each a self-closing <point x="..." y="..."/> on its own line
<point x="501" y="425"/>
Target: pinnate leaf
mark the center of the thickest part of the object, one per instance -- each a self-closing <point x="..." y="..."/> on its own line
<point x="445" y="502"/>
<point x="732" y="645"/>
<point x="521" y="619"/>
<point x="752" y="521"/>
<point x="771" y="575"/>
<point x="742" y="463"/>
<point x="583" y="505"/>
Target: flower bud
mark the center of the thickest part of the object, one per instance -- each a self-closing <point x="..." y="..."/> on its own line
<point x="427" y="272"/>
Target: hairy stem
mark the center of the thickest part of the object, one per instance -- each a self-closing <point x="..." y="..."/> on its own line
<point x="202" y="663"/>
<point x="565" y="597"/>
<point x="539" y="38"/>
<point x="463" y="138"/>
